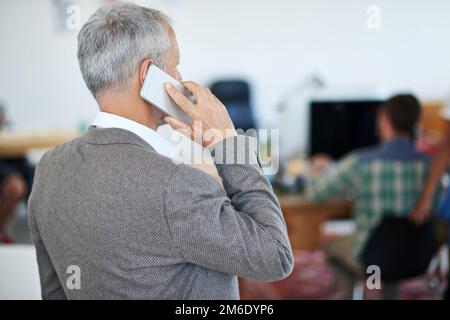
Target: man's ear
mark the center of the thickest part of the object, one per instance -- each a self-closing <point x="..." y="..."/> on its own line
<point x="386" y="120"/>
<point x="143" y="68"/>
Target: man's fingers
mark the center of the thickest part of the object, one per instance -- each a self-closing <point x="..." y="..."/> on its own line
<point x="419" y="220"/>
<point x="178" y="125"/>
<point x="216" y="99"/>
<point x="414" y="216"/>
<point x="414" y="219"/>
<point x="418" y="217"/>
<point x="180" y="100"/>
<point x="197" y="90"/>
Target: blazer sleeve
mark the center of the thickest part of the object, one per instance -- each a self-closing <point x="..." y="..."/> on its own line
<point x="51" y="288"/>
<point x="237" y="229"/>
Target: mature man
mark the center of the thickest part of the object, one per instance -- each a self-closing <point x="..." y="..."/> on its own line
<point x="113" y="205"/>
<point x="383" y="180"/>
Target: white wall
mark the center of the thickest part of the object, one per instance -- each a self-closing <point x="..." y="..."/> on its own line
<point x="275" y="44"/>
<point x="19" y="274"/>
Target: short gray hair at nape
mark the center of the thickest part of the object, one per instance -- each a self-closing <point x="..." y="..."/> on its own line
<point x="115" y="40"/>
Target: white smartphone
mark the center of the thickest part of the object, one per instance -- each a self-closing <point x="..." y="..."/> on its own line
<point x="153" y="91"/>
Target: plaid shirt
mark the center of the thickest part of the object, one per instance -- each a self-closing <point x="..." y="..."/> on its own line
<point x="380" y="181"/>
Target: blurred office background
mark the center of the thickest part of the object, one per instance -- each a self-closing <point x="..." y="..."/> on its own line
<point x="288" y="52"/>
<point x="276" y="46"/>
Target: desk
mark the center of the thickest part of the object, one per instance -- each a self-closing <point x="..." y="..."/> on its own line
<point x="304" y="218"/>
<point x="17" y="145"/>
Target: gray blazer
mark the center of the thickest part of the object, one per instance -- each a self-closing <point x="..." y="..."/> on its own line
<point x="129" y="223"/>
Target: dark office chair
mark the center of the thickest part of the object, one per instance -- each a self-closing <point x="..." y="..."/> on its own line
<point x="401" y="249"/>
<point x="236" y="96"/>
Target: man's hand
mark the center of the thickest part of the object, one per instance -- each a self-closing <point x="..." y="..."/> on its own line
<point x="210" y="120"/>
<point x="421" y="211"/>
<point x="319" y="165"/>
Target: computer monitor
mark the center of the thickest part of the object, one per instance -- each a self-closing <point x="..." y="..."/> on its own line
<point x="235" y="95"/>
<point x="341" y="126"/>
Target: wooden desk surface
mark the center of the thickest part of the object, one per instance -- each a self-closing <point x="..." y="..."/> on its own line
<point x="304" y="219"/>
<point x="19" y="144"/>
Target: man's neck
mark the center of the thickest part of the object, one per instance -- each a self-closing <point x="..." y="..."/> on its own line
<point x="127" y="106"/>
<point x="395" y="137"/>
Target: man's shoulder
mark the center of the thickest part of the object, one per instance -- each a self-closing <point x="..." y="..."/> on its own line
<point x="379" y="153"/>
<point x="52" y="154"/>
<point x="198" y="176"/>
<point x="367" y="153"/>
<point x="126" y="155"/>
<point x="131" y="156"/>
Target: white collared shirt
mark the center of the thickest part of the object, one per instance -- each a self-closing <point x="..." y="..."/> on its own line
<point x="156" y="141"/>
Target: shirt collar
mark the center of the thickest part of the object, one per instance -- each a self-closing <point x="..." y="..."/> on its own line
<point x="402" y="149"/>
<point x="399" y="142"/>
<point x="157" y="142"/>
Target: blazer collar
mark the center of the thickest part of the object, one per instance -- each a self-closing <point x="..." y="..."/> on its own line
<point x="153" y="138"/>
<point x="114" y="136"/>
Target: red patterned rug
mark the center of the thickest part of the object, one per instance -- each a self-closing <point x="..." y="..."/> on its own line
<point x="312" y="280"/>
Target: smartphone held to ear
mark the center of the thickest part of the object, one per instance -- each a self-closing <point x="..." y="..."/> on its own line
<point x="154" y="92"/>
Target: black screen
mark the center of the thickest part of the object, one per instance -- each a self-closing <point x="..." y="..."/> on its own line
<point x="338" y="127"/>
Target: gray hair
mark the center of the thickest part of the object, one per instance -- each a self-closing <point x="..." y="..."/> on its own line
<point x="115" y="40"/>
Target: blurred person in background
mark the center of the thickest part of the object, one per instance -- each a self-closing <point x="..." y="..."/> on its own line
<point x="441" y="164"/>
<point x="12" y="190"/>
<point x="19" y="164"/>
<point x="365" y="175"/>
